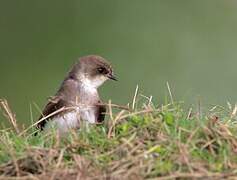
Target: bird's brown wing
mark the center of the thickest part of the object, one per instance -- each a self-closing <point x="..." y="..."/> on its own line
<point x="69" y="89"/>
<point x="54" y="104"/>
<point x="101" y="113"/>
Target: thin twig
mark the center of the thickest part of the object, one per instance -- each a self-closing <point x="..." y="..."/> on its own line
<point x="134" y="98"/>
<point x="11" y="152"/>
<point x="170" y="93"/>
<point x="189" y="113"/>
<point x="60" y="158"/>
<point x="139" y="112"/>
<point x="46" y="117"/>
<point x="199" y="109"/>
<point x="110" y="111"/>
<point x="115" y="106"/>
<point x="195" y="175"/>
<point x="114" y="123"/>
<point x="8" y="114"/>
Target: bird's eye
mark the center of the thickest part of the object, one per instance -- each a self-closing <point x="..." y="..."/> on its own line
<point x="102" y="70"/>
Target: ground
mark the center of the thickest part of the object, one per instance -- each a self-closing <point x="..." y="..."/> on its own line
<point x="142" y="141"/>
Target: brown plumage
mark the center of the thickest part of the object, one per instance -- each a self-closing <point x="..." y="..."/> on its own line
<point x="79" y="91"/>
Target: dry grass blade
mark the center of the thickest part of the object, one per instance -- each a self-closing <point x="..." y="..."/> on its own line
<point x="234" y="112"/>
<point x="189" y="113"/>
<point x="134" y="98"/>
<point x="115" y="106"/>
<point x="139" y="113"/>
<point x="8" y="169"/>
<point x="110" y="111"/>
<point x="114" y="123"/>
<point x="9" y="114"/>
<point x="179" y="175"/>
<point x="199" y="108"/>
<point x="170" y="93"/>
<point x="60" y="159"/>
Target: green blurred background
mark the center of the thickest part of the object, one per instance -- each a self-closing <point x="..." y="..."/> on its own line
<point x="192" y="44"/>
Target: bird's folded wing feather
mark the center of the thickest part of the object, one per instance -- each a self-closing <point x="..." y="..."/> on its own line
<point x="55" y="103"/>
<point x="69" y="87"/>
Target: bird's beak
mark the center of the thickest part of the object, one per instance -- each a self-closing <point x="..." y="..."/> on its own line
<point x="111" y="76"/>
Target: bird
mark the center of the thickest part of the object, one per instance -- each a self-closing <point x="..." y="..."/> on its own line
<point x="78" y="96"/>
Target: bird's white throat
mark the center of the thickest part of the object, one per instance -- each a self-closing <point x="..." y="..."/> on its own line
<point x="92" y="84"/>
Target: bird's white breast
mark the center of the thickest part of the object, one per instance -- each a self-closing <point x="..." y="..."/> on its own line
<point x="88" y="114"/>
<point x="64" y="123"/>
<point x="71" y="120"/>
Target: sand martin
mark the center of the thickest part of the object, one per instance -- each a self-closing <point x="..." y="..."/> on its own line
<point x="78" y="95"/>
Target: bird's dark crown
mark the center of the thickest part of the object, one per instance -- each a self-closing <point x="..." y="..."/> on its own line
<point x="92" y="67"/>
<point x="95" y="63"/>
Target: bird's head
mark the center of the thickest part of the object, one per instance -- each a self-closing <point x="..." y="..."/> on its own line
<point x="93" y="70"/>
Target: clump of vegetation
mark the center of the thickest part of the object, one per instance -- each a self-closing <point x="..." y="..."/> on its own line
<point x="145" y="141"/>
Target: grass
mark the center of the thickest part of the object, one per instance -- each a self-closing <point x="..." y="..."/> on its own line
<point x="149" y="141"/>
